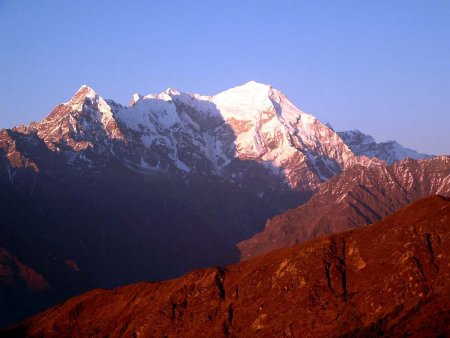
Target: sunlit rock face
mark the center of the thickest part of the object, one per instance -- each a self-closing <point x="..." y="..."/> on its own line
<point x="356" y="197"/>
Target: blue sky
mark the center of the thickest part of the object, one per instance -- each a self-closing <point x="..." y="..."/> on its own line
<point x="379" y="66"/>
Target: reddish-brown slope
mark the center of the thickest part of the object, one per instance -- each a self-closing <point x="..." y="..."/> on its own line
<point x="390" y="278"/>
<point x="358" y="196"/>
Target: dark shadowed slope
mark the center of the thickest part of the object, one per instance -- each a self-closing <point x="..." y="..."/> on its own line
<point x="390" y="278"/>
<point x="356" y="197"/>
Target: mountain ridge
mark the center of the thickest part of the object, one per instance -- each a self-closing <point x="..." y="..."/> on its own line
<point x="356" y="197"/>
<point x="386" y="279"/>
<point x="388" y="151"/>
<point x="261" y="125"/>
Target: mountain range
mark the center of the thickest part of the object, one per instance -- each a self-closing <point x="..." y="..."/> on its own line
<point x="99" y="195"/>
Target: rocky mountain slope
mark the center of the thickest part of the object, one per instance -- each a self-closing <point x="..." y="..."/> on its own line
<point x="356" y="197"/>
<point x="389" y="151"/>
<point x="387" y="279"/>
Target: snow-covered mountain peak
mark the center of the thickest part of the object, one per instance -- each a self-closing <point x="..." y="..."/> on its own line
<point x="86" y="121"/>
<point x="245" y="102"/>
<point x="135" y="98"/>
<point x="365" y="145"/>
<point x="253" y="122"/>
<point x="357" y="137"/>
<point x="172" y="91"/>
<point x="84" y="92"/>
<point x="247" y="90"/>
<point x="86" y="95"/>
<point x="87" y="100"/>
<point x="256" y="101"/>
<point x="252" y="135"/>
<point x="249" y="126"/>
<point x="167" y="95"/>
<point x="255" y="85"/>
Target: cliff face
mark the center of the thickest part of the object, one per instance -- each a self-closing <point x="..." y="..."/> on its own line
<point x="390" y="278"/>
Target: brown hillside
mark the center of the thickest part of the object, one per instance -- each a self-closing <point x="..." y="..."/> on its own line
<point x="391" y="278"/>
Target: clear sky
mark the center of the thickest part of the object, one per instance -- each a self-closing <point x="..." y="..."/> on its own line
<point x="379" y="66"/>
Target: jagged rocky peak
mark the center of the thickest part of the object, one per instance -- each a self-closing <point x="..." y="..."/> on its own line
<point x="365" y="145"/>
<point x="356" y="137"/>
<point x="84" y="92"/>
<point x="88" y="101"/>
<point x="86" y="121"/>
<point x="85" y="101"/>
<point x="172" y="91"/>
<point x="135" y="98"/>
<point x="96" y="104"/>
